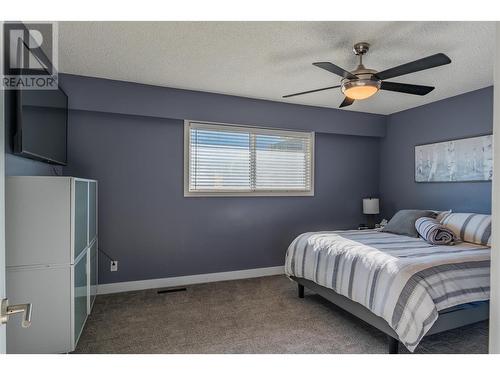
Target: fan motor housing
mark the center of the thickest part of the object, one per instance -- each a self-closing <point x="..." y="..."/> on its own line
<point x="366" y="78"/>
<point x="364" y="75"/>
<point x="358" y="83"/>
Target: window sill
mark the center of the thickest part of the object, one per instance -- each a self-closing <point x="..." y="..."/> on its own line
<point x="226" y="194"/>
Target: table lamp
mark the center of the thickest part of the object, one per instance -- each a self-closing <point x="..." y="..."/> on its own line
<point x="371" y="208"/>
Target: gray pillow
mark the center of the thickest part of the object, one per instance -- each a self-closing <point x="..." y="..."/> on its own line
<point x="404" y="222"/>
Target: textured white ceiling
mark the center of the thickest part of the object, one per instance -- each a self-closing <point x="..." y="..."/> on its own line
<point x="267" y="60"/>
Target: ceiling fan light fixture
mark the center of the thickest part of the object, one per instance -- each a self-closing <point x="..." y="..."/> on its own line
<point x="363" y="83"/>
<point x="360" y="89"/>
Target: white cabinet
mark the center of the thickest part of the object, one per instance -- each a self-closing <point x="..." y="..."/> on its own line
<point x="51" y="318"/>
<point x="51" y="257"/>
<point x="81" y="217"/>
<point x="80" y="295"/>
<point x="92" y="271"/>
<point x="92" y="240"/>
<point x="92" y="210"/>
<point x="38" y="228"/>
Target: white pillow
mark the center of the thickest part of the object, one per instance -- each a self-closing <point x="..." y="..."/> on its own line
<point x="442" y="214"/>
<point x="475" y="228"/>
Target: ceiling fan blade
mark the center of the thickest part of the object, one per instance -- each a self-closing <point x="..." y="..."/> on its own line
<point x="347" y="101"/>
<point x="415" y="66"/>
<point x="406" y="88"/>
<point x="310" y="91"/>
<point x="332" y="68"/>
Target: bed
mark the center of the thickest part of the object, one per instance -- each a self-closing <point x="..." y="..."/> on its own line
<point x="401" y="285"/>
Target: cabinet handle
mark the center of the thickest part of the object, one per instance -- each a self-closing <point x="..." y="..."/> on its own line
<point x="7" y="311"/>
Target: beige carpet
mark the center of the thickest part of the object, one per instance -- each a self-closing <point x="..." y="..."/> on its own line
<point x="261" y="315"/>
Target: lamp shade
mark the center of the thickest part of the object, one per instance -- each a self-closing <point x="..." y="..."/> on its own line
<point x="371" y="206"/>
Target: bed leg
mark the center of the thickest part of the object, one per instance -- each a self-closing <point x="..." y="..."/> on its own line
<point x="301" y="290"/>
<point x="393" y="345"/>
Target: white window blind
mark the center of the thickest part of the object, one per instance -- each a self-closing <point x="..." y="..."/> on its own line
<point x="236" y="160"/>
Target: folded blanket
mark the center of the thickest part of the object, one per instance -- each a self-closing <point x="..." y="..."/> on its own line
<point x="434" y="232"/>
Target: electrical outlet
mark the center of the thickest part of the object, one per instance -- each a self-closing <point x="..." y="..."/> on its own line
<point x="114" y="265"/>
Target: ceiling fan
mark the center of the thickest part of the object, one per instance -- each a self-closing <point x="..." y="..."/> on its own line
<point x="362" y="83"/>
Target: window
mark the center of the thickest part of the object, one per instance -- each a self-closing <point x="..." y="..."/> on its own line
<point x="225" y="160"/>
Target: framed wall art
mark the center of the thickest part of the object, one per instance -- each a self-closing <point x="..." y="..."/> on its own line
<point x="458" y="160"/>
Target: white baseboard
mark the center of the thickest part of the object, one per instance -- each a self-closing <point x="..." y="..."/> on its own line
<point x="188" y="280"/>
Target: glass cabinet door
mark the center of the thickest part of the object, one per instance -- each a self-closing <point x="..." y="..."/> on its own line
<point x="80" y="294"/>
<point x="92" y="275"/>
<point x="92" y="210"/>
<point x="81" y="216"/>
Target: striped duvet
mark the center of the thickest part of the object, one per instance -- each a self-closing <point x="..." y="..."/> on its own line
<point x="404" y="280"/>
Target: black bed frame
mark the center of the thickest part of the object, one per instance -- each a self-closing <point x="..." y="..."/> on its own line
<point x="451" y="318"/>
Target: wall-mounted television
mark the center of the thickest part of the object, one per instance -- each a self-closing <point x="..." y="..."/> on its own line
<point x="41" y="125"/>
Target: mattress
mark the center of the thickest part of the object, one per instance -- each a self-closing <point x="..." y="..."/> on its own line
<point x="404" y="280"/>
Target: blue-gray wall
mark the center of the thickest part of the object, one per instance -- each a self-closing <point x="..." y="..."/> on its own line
<point x="109" y="96"/>
<point x="461" y="116"/>
<point x="154" y="231"/>
<point x="19" y="166"/>
<point x="130" y="138"/>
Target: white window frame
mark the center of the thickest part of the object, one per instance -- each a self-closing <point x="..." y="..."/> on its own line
<point x="233" y="128"/>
